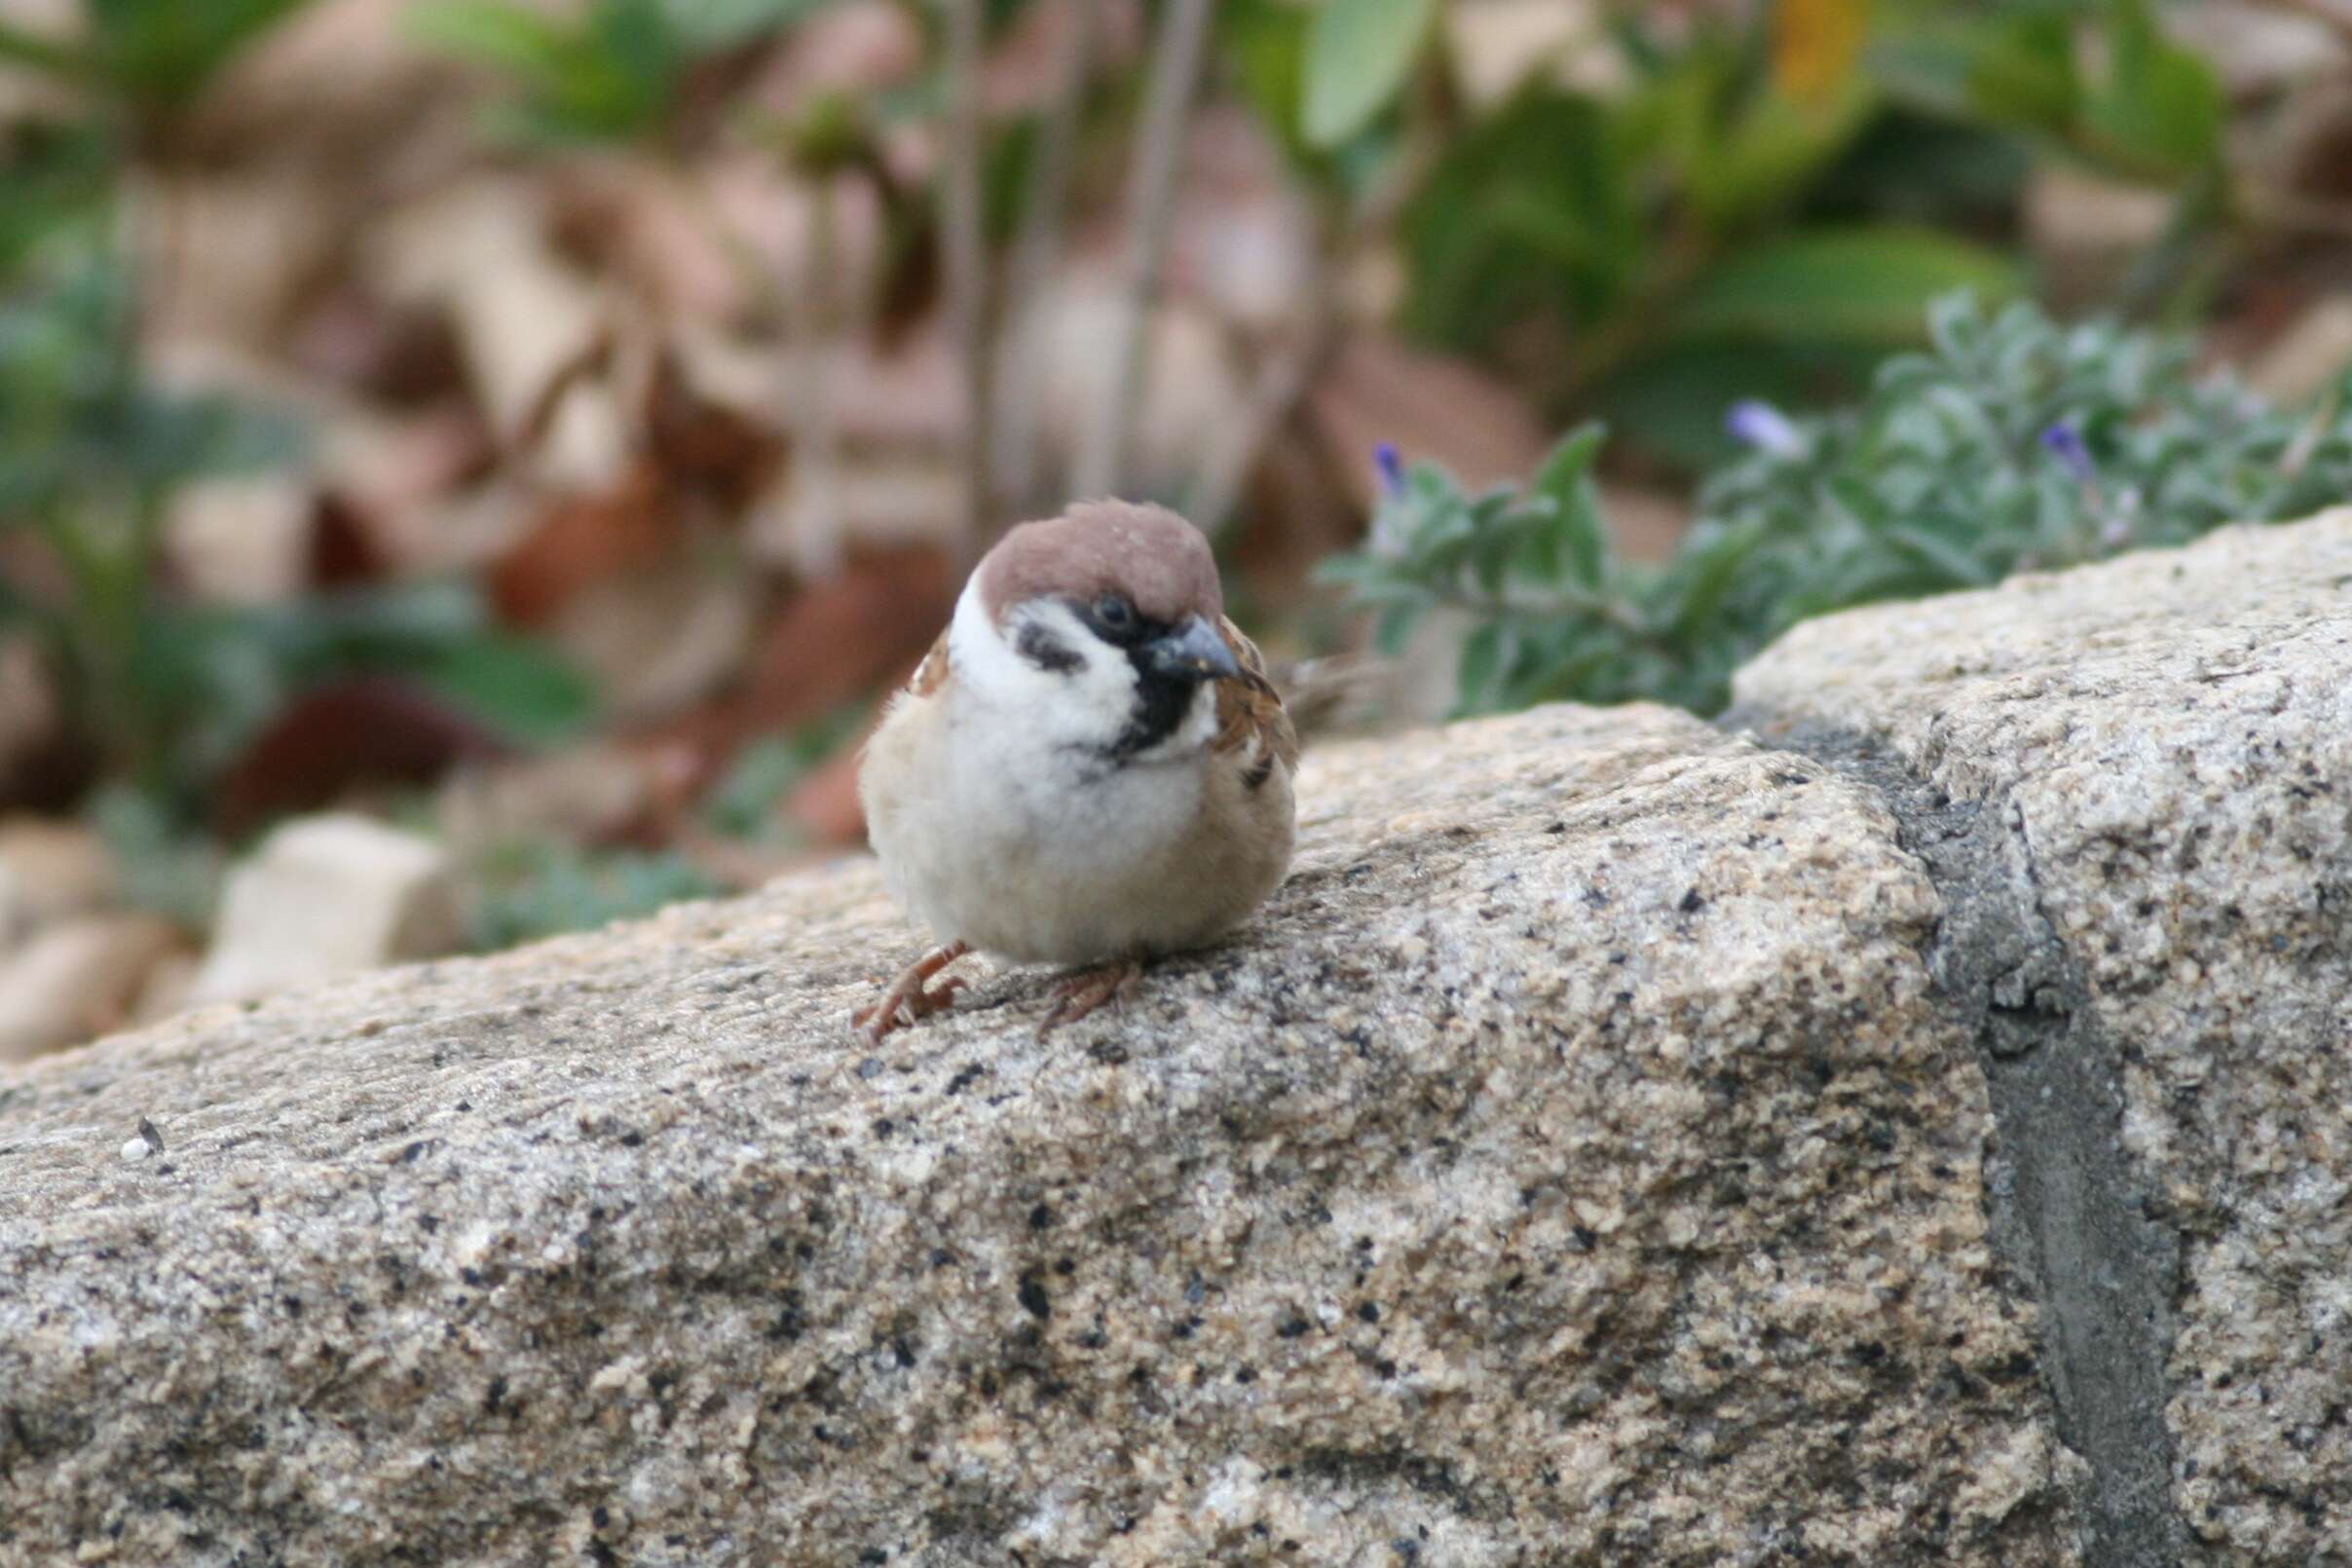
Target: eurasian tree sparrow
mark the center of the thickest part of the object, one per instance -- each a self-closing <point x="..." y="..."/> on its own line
<point x="1090" y="768"/>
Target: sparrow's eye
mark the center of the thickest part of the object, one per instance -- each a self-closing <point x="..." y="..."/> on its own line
<point x="1113" y="614"/>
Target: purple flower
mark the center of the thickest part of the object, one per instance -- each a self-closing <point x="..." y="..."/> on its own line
<point x="1765" y="427"/>
<point x="2065" y="443"/>
<point x="1391" y="466"/>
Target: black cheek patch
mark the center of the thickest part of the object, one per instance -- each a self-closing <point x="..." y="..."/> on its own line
<point x="1041" y="649"/>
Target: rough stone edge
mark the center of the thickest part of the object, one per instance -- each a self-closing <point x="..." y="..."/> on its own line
<point x="2068" y="1213"/>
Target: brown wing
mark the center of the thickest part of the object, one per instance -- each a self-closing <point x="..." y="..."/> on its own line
<point x="932" y="670"/>
<point x="1250" y="715"/>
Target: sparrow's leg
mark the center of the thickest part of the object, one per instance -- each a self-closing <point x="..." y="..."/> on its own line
<point x="1089" y="988"/>
<point x="909" y="995"/>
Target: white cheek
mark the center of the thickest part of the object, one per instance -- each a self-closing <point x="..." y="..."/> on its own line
<point x="1086" y="707"/>
<point x="1104" y="691"/>
<point x="1081" y="711"/>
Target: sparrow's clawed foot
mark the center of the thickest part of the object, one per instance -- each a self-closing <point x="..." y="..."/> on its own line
<point x="909" y="999"/>
<point x="1079" y="994"/>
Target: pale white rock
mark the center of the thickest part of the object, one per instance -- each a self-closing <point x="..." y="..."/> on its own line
<point x="1386" y="1220"/>
<point x="243" y="541"/>
<point x="60" y="868"/>
<point x="76" y="978"/>
<point x="324" y="896"/>
<point x="2168" y="738"/>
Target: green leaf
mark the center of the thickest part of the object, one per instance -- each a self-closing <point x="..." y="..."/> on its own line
<point x="1565" y="479"/>
<point x="1761" y="161"/>
<point x="1359" y="570"/>
<point x="1571" y="669"/>
<point x="1950" y="561"/>
<point x="1358" y="53"/>
<point x="1533" y="210"/>
<point x="50" y="55"/>
<point x="1955" y="322"/>
<point x="162" y="53"/>
<point x="537" y="888"/>
<point x="512" y="38"/>
<point x="610" y="73"/>
<point x="1394" y="627"/>
<point x="1492" y="546"/>
<point x="1484" y="655"/>
<point x="2161" y="106"/>
<point x="2021" y="71"/>
<point x="1705" y="574"/>
<point x="1266" y="43"/>
<point x="516" y="684"/>
<point x="1852" y="285"/>
<point x="55" y="190"/>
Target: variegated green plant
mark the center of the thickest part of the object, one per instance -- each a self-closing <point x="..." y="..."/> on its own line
<point x="2018" y="443"/>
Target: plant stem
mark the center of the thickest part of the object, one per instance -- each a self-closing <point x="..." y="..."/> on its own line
<point x="816" y="486"/>
<point x="967" y="267"/>
<point x="768" y="293"/>
<point x="1289" y="370"/>
<point x="1235" y="444"/>
<point x="1151" y="201"/>
<point x="1020" y="356"/>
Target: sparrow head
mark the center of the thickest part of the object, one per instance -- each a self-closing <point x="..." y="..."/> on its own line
<point x="1106" y="618"/>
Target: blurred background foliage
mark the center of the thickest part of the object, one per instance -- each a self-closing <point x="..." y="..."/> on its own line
<point x="546" y="427"/>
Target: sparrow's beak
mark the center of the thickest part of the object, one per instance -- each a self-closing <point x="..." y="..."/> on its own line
<point x="1192" y="651"/>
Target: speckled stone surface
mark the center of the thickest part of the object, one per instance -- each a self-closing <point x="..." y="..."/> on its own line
<point x="2170" y="737"/>
<point x="1570" y="1166"/>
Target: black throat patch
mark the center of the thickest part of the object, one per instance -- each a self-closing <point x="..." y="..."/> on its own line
<point x="1160" y="703"/>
